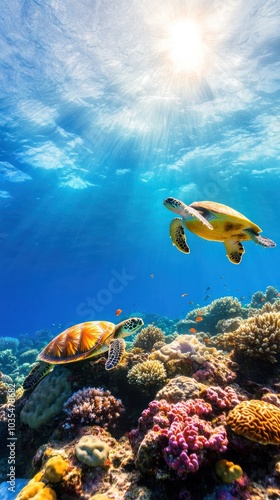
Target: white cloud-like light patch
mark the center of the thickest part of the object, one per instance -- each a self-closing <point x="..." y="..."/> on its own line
<point x="122" y="171"/>
<point x="75" y="182"/>
<point x="47" y="156"/>
<point x="147" y="176"/>
<point x="5" y="194"/>
<point x="12" y="174"/>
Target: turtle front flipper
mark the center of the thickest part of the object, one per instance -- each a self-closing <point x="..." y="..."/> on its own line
<point x="235" y="250"/>
<point x="185" y="211"/>
<point x="260" y="240"/>
<point x="177" y="234"/>
<point x="115" y="354"/>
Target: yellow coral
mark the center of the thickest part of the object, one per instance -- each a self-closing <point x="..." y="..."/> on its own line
<point x="256" y="420"/>
<point x="257" y="337"/>
<point x="55" y="469"/>
<point x="228" y="471"/>
<point x="36" y="491"/>
<point x="147" y="374"/>
<point x="148" y="337"/>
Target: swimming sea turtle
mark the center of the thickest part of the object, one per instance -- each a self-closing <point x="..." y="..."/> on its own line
<point x="215" y="222"/>
<point x="84" y="341"/>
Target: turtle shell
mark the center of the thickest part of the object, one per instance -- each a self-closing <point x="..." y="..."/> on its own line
<point x="79" y="342"/>
<point x="227" y="223"/>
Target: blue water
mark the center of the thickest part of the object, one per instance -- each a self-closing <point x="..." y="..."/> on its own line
<point x="100" y="122"/>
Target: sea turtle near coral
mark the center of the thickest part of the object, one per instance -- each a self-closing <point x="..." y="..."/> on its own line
<point x="215" y="222"/>
<point x="84" y="341"/>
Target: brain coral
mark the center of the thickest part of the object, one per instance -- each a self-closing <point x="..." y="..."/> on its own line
<point x="147" y="374"/>
<point x="256" y="420"/>
<point x="92" y="406"/>
<point x="257" y="337"/>
<point x="47" y="399"/>
<point x="148" y="337"/>
<point x="92" y="451"/>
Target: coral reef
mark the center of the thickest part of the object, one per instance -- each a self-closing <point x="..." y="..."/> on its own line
<point x="92" y="451"/>
<point x="8" y="361"/>
<point x="9" y="343"/>
<point x="220" y="309"/>
<point x="92" y="406"/>
<point x="177" y="433"/>
<point x="257" y="337"/>
<point x="258" y="299"/>
<point x="188" y="356"/>
<point x="148" y="337"/>
<point x="256" y="420"/>
<point x="146" y="375"/>
<point x="47" y="399"/>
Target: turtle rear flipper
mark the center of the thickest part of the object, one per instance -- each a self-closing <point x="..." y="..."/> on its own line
<point x="185" y="211"/>
<point x="260" y="240"/>
<point x="235" y="250"/>
<point x="177" y="234"/>
<point x="115" y="353"/>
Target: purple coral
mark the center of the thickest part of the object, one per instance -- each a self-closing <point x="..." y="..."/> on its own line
<point x="220" y="398"/>
<point x="188" y="435"/>
<point x="92" y="406"/>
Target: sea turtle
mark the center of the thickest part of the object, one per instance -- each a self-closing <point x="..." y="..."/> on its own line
<point x="83" y="341"/>
<point x="216" y="222"/>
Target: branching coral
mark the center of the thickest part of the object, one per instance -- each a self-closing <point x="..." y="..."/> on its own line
<point x="92" y="406"/>
<point x="256" y="420"/>
<point x="179" y="434"/>
<point x="9" y="343"/>
<point x="257" y="337"/>
<point x="147" y="374"/>
<point x="148" y="337"/>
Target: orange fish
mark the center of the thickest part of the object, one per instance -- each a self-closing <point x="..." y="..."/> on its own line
<point x="199" y="318"/>
<point x="184" y="294"/>
<point x="206" y="340"/>
<point x="262" y="299"/>
<point x="118" y="312"/>
<point x="277" y="294"/>
<point x="192" y="330"/>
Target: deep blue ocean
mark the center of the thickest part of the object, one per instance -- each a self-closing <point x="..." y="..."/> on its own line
<point x="107" y="108"/>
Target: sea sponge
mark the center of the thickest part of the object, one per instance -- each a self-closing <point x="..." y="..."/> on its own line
<point x="92" y="451"/>
<point x="36" y="491"/>
<point x="148" y="337"/>
<point x="55" y="469"/>
<point x="47" y="399"/>
<point x="147" y="374"/>
<point x="256" y="420"/>
<point x="228" y="471"/>
<point x="257" y="337"/>
<point x="180" y="389"/>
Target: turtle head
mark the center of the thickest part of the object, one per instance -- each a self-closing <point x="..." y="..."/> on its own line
<point x="128" y="327"/>
<point x="174" y="205"/>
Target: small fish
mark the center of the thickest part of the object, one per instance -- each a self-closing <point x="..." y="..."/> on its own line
<point x="206" y="340"/>
<point x="192" y="330"/>
<point x="118" y="312"/>
<point x="199" y="318"/>
<point x="262" y="299"/>
<point x="207" y="297"/>
<point x="208" y="288"/>
<point x="184" y="294"/>
<point x="191" y="302"/>
<point x="152" y="275"/>
<point x="277" y="294"/>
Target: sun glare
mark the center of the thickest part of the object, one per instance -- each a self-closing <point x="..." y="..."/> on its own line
<point x="185" y="47"/>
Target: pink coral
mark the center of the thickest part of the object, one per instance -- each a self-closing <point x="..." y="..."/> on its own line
<point x="184" y="435"/>
<point x="220" y="398"/>
<point x="92" y="406"/>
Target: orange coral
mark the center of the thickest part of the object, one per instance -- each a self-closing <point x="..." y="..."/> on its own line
<point x="256" y="420"/>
